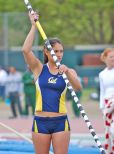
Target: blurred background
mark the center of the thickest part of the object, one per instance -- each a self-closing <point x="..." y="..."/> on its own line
<point x="86" y="28"/>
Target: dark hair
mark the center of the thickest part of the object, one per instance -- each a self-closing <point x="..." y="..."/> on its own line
<point x="52" y="41"/>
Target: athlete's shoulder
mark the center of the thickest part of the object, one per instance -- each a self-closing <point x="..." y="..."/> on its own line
<point x="44" y="67"/>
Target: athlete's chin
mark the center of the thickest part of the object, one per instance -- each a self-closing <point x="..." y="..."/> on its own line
<point x="59" y="59"/>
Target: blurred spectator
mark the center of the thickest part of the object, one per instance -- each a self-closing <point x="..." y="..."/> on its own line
<point x="29" y="91"/>
<point x="74" y="104"/>
<point x="14" y="87"/>
<point x="106" y="80"/>
<point x="3" y="78"/>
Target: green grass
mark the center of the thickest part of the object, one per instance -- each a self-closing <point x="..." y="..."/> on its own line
<point x="86" y="94"/>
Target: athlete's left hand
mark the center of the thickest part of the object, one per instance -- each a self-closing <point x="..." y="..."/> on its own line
<point x="63" y="69"/>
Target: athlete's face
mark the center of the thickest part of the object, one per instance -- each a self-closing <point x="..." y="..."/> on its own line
<point x="110" y="59"/>
<point x="58" y="49"/>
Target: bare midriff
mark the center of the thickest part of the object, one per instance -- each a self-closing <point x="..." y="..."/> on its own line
<point x="48" y="114"/>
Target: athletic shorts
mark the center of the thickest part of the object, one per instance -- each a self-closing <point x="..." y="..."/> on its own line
<point x="50" y="125"/>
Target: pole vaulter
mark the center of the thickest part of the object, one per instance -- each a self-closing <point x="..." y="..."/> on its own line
<point x="73" y="94"/>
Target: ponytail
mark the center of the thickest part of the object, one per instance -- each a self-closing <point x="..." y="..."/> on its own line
<point x="45" y="58"/>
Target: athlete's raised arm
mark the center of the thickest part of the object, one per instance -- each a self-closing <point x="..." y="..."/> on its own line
<point x="33" y="62"/>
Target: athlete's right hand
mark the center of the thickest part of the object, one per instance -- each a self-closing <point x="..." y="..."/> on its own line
<point x="33" y="17"/>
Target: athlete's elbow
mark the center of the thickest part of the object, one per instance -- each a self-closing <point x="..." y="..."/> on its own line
<point x="24" y="50"/>
<point x="78" y="87"/>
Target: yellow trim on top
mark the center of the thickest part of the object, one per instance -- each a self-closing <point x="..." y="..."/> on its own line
<point x="62" y="105"/>
<point x="38" y="98"/>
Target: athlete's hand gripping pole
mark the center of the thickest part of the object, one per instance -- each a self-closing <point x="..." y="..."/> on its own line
<point x="49" y="47"/>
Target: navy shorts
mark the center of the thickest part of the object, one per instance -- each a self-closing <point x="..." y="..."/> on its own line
<point x="49" y="125"/>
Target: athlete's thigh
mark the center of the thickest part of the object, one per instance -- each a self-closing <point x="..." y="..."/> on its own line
<point x="41" y="142"/>
<point x="60" y="142"/>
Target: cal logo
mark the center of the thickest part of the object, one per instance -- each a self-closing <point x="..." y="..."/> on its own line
<point x="52" y="80"/>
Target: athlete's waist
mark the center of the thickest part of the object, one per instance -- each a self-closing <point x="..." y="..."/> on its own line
<point x="48" y="114"/>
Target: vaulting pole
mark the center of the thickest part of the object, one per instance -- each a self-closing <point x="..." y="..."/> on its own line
<point x="49" y="47"/>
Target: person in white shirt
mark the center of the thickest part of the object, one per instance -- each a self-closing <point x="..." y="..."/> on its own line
<point x="3" y="78"/>
<point x="14" y="86"/>
<point x="106" y="79"/>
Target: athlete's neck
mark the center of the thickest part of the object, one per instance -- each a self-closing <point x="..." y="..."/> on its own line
<point x="52" y="65"/>
<point x="52" y="68"/>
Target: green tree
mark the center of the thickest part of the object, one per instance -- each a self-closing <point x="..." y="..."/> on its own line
<point x="74" y="21"/>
